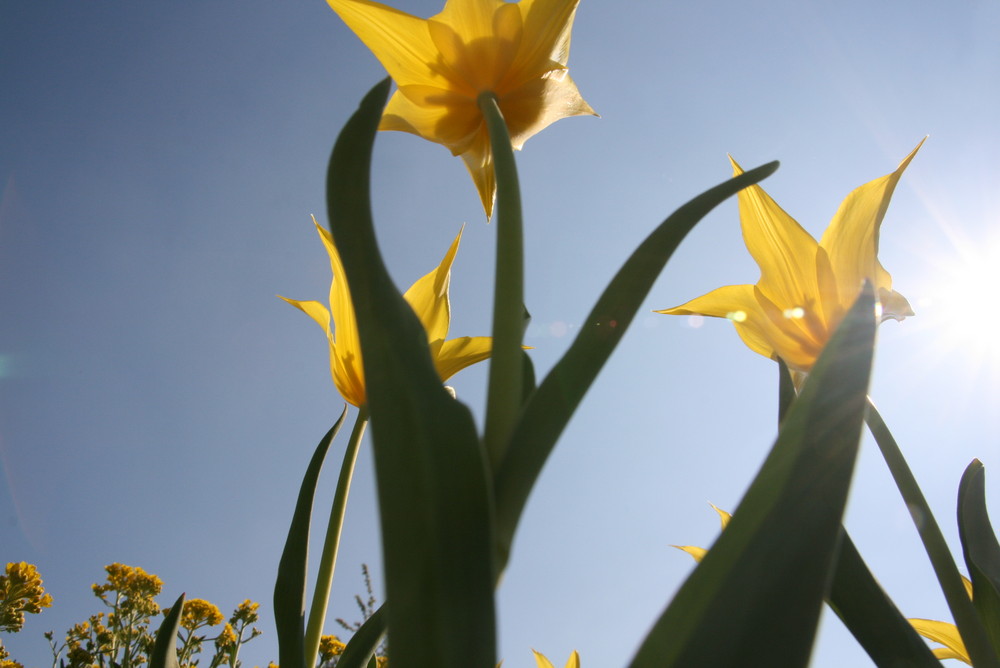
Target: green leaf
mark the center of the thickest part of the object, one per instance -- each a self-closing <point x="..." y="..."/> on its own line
<point x="981" y="549"/>
<point x="872" y="617"/>
<point x="290" y="585"/>
<point x="856" y="596"/>
<point x="434" y="498"/>
<point x="759" y="590"/>
<point x="550" y="408"/>
<point x="360" y="649"/>
<point x="164" y="654"/>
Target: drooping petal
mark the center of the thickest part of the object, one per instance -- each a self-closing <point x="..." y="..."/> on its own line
<point x="456" y="354"/>
<point x="852" y="237"/>
<point x="478" y="159"/>
<point x="435" y="114"/>
<point x="429" y="296"/>
<point x="944" y="633"/>
<point x="399" y="40"/>
<point x="785" y="253"/>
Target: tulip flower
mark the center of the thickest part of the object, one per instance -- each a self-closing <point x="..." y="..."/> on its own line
<point x="442" y="65"/>
<point x="572" y="662"/>
<point x="805" y="288"/>
<point x="429" y="299"/>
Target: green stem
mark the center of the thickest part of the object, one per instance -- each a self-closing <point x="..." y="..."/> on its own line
<point x="969" y="626"/>
<point x="505" y="383"/>
<point x="328" y="562"/>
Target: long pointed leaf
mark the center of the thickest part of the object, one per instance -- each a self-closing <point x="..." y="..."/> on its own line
<point x="164" y="654"/>
<point x="981" y="549"/>
<point x="290" y="585"/>
<point x="855" y="595"/>
<point x="550" y="408"/>
<point x="759" y="590"/>
<point x="433" y="488"/>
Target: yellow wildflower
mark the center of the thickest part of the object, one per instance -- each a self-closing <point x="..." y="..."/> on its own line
<point x="198" y="612"/>
<point x="429" y="299"/>
<point x="945" y="633"/>
<point x="21" y="592"/>
<point x="572" y="662"/>
<point x="805" y="288"/>
<point x="135" y="587"/>
<point x="516" y="51"/>
<point x="330" y="647"/>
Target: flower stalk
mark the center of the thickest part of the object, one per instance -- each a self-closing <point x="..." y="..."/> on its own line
<point x="331" y="544"/>
<point x="505" y="380"/>
<point x="973" y="634"/>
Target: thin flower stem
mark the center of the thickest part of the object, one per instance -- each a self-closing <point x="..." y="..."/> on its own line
<point x="969" y="626"/>
<point x="328" y="562"/>
<point x="505" y="382"/>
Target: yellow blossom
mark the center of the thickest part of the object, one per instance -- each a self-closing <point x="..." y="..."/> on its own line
<point x="21" y="592"/>
<point x="945" y="633"/>
<point x="805" y="288"/>
<point x="516" y="51"/>
<point x="330" y="647"/>
<point x="198" y="612"/>
<point x="429" y="299"/>
<point x="572" y="662"/>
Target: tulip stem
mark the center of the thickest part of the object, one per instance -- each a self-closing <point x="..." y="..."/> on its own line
<point x="328" y="562"/>
<point x="505" y="381"/>
<point x="969" y="626"/>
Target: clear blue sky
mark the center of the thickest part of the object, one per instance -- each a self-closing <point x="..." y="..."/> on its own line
<point x="158" y="165"/>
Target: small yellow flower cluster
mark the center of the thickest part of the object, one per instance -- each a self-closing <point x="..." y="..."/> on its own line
<point x="21" y="592"/>
<point x="133" y="587"/>
<point x="330" y="648"/>
<point x="199" y="612"/>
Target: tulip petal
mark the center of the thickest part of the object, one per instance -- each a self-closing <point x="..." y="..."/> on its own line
<point x="698" y="553"/>
<point x="852" y="237"/>
<point x="459" y="353"/>
<point x="944" y="633"/>
<point x="545" y="41"/>
<point x="429" y="296"/>
<point x="784" y="251"/>
<point x="542" y="661"/>
<point x="399" y="40"/>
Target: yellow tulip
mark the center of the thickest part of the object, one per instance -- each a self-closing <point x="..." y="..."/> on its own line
<point x="805" y="288"/>
<point x="429" y="299"/>
<point x="441" y="65"/>
<point x="572" y="662"/>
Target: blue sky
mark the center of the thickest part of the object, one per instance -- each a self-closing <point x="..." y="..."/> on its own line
<point x="159" y="163"/>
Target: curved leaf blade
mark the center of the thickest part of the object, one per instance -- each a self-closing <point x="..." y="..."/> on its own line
<point x="981" y="549"/>
<point x="164" y="654"/>
<point x="434" y="496"/>
<point x="290" y="585"/>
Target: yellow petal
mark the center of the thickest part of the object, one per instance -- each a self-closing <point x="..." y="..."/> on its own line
<point x="724" y="516"/>
<point x="435" y="114"/>
<point x="540" y="102"/>
<point x="477" y="42"/>
<point x="698" y="553"/>
<point x="545" y="42"/>
<point x="852" y="237"/>
<point x="429" y="296"/>
<point x="456" y="354"/>
<point x="573" y="661"/>
<point x="785" y="253"/>
<point x="944" y="633"/>
<point x="399" y="40"/>
<point x="314" y="310"/>
<point x="542" y="661"/>
<point x="478" y="159"/>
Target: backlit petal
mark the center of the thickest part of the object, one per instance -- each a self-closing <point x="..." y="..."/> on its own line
<point x="944" y="633"/>
<point x="456" y="354"/>
<point x="852" y="237"/>
<point x="539" y="103"/>
<point x="697" y="553"/>
<point x="785" y="253"/>
<point x="399" y="40"/>
<point x="429" y="296"/>
<point x="545" y="42"/>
